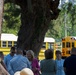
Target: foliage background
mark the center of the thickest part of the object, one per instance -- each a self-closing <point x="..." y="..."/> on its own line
<point x="58" y="25"/>
<point x="11" y="21"/>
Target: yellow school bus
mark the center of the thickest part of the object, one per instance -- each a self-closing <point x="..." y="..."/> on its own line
<point x="9" y="40"/>
<point x="67" y="44"/>
<point x="6" y="42"/>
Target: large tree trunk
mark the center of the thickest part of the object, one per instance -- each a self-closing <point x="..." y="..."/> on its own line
<point x="1" y="15"/>
<point x="35" y="22"/>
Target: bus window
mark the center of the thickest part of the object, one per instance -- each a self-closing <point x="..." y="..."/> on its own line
<point x="9" y="43"/>
<point x="67" y="44"/>
<point x="63" y="44"/>
<point x="44" y="45"/>
<point x="15" y="43"/>
<point x="51" y="46"/>
<point x="72" y="44"/>
<point x="3" y="43"/>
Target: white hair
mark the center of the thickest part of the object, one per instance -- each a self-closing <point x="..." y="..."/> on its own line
<point x="31" y="52"/>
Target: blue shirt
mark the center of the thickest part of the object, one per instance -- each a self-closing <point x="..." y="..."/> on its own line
<point x="70" y="65"/>
<point x="60" y="70"/>
<point x="18" y="63"/>
<point x="7" y="59"/>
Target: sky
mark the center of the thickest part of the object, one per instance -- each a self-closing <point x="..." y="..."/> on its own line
<point x="65" y="1"/>
<point x="73" y="1"/>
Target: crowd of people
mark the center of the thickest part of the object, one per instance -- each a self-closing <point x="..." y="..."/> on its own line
<point x="19" y="62"/>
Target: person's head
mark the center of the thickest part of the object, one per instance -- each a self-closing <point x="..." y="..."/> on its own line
<point x="58" y="54"/>
<point x="12" y="51"/>
<point x="19" y="51"/>
<point x="30" y="54"/>
<point x="49" y="54"/>
<point x="73" y="51"/>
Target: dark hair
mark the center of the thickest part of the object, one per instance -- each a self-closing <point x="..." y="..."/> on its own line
<point x="49" y="54"/>
<point x="58" y="52"/>
<point x="13" y="48"/>
<point x="73" y="50"/>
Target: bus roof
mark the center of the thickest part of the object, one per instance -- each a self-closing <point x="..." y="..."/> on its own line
<point x="72" y="37"/>
<point x="48" y="39"/>
<point x="12" y="37"/>
<point x="8" y="37"/>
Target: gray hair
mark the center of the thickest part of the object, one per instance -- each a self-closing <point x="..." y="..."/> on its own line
<point x="31" y="52"/>
<point x="19" y="51"/>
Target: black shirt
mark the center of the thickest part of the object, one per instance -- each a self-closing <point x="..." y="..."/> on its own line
<point x="70" y="65"/>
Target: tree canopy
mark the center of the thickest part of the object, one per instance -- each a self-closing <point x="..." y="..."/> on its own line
<point x="11" y="19"/>
<point x="35" y="20"/>
<point x="58" y="25"/>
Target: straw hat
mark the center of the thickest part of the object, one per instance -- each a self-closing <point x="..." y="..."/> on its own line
<point x="17" y="73"/>
<point x="25" y="71"/>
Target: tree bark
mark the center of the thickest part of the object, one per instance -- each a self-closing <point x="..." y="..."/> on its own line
<point x="1" y="15"/>
<point x="35" y="22"/>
